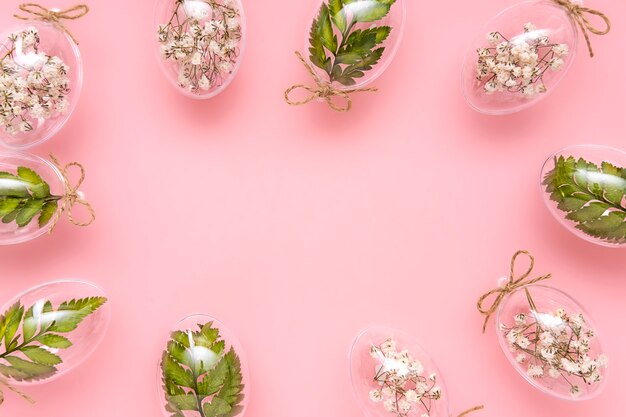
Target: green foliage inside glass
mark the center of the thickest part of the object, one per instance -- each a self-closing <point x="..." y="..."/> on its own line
<point x="24" y="196"/>
<point x="356" y="51"/>
<point x="591" y="195"/>
<point x="199" y="375"/>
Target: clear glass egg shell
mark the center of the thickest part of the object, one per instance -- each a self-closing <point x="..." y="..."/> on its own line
<point x="200" y="44"/>
<point x="584" y="187"/>
<point x="16" y="188"/>
<point x="200" y="354"/>
<point x="391" y="374"/>
<point x="552" y="342"/>
<point x="349" y="19"/>
<point x="85" y="338"/>
<point x="519" y="57"/>
<point x="43" y="70"/>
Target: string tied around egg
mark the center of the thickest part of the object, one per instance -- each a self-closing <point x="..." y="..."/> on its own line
<point x="471" y="410"/>
<point x="514" y="282"/>
<point x="72" y="195"/>
<point x="36" y="11"/>
<point x="580" y="15"/>
<point x="5" y="383"/>
<point x="323" y="90"/>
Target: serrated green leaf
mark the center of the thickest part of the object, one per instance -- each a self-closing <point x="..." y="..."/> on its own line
<point x="365" y="11"/>
<point x="33" y="371"/>
<point x="338" y="14"/>
<point x="216" y="408"/>
<point x="8" y="205"/>
<point x="29" y="175"/>
<point x="591" y="195"/>
<point x="173" y="371"/>
<point x="325" y="29"/>
<point x="41" y="356"/>
<point x="47" y="212"/>
<point x="71" y="313"/>
<point x="28" y="211"/>
<point x="183" y="402"/>
<point x="10" y="218"/>
<point x="13" y="317"/>
<point x="29" y="325"/>
<point x="54" y="341"/>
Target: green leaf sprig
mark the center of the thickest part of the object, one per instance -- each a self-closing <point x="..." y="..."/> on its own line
<point x="25" y="196"/>
<point x="591" y="195"/>
<point x="358" y="50"/>
<point x="198" y="374"/>
<point x="31" y="337"/>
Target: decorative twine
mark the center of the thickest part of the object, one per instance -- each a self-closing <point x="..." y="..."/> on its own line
<point x="579" y="13"/>
<point x="513" y="284"/>
<point x="37" y="12"/>
<point x="471" y="410"/>
<point x="4" y="382"/>
<point x="72" y="196"/>
<point x="323" y="90"/>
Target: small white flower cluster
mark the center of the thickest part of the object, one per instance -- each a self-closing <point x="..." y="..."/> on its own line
<point x="203" y="42"/>
<point x="557" y="345"/>
<point x="33" y="92"/>
<point x="518" y="66"/>
<point x="403" y="387"/>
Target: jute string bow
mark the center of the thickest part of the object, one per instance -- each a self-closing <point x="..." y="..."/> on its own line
<point x="5" y="383"/>
<point x="471" y="410"/>
<point x="513" y="284"/>
<point x="35" y="11"/>
<point x="580" y="14"/>
<point x="323" y="90"/>
<point x="72" y="196"/>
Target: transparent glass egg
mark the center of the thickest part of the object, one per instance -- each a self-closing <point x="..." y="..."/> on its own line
<point x="519" y="57"/>
<point x="200" y="44"/>
<point x="391" y="374"/>
<point x="84" y="339"/>
<point x="355" y="23"/>
<point x="44" y="75"/>
<point x="584" y="187"/>
<point x="203" y="365"/>
<point x="552" y="342"/>
<point x="30" y="187"/>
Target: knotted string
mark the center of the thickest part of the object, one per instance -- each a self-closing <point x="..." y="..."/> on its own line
<point x="579" y="13"/>
<point x="37" y="12"/>
<point x="513" y="284"/>
<point x="5" y="383"/>
<point x="323" y="90"/>
<point x="72" y="196"/>
<point x="471" y="410"/>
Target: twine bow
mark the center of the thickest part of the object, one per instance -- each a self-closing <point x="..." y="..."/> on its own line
<point x="72" y="196"/>
<point x="35" y="11"/>
<point x="471" y="410"/>
<point x="5" y="383"/>
<point x="323" y="90"/>
<point x="513" y="284"/>
<point x="579" y="14"/>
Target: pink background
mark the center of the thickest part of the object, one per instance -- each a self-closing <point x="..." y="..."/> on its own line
<point x="299" y="227"/>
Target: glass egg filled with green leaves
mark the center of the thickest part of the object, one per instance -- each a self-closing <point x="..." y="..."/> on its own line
<point x="34" y="193"/>
<point x="202" y="371"/>
<point x="200" y="44"/>
<point x="48" y="330"/>
<point x="584" y="187"/>
<point x="41" y="75"/>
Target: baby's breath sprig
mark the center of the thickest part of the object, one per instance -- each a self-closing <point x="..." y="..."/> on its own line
<point x="203" y="40"/>
<point x="518" y="65"/>
<point x="404" y="389"/>
<point x="555" y="344"/>
<point x="33" y="93"/>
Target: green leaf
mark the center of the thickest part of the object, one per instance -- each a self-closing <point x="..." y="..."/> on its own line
<point x="8" y="205"/>
<point x="183" y="402"/>
<point x="325" y="30"/>
<point x="28" y="211"/>
<point x="71" y="313"/>
<point x="54" y="341"/>
<point x="12" y="186"/>
<point x="29" y="175"/>
<point x="365" y="11"/>
<point x="41" y="356"/>
<point x="591" y="195"/>
<point x="31" y="370"/>
<point x="29" y="326"/>
<point x="338" y="14"/>
<point x="47" y="211"/>
<point x="217" y="407"/>
<point x="12" y="317"/>
<point x="173" y="371"/>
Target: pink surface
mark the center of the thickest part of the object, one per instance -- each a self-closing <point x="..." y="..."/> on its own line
<point x="298" y="227"/>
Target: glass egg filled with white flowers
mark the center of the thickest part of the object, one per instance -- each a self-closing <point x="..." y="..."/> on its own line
<point x="202" y="371"/>
<point x="49" y="330"/>
<point x="351" y="42"/>
<point x="584" y="187"/>
<point x="552" y="342"/>
<point x="41" y="75"/>
<point x="519" y="57"/>
<point x="200" y="44"/>
<point x="31" y="194"/>
<point x="393" y="376"/>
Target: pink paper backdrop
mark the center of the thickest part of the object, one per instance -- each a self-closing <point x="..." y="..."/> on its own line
<point x="299" y="227"/>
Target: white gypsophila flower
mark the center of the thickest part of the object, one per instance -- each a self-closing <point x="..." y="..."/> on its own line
<point x="554" y="373"/>
<point x="535" y="371"/>
<point x="376" y="396"/>
<point x="34" y="92"/>
<point x="529" y="27"/>
<point x="493" y="38"/>
<point x="203" y="42"/>
<point x="520" y="358"/>
<point x="390" y="405"/>
<point x="411" y="396"/>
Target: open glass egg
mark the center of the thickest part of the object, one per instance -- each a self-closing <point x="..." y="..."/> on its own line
<point x="584" y="187"/>
<point x="202" y="371"/>
<point x="41" y="75"/>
